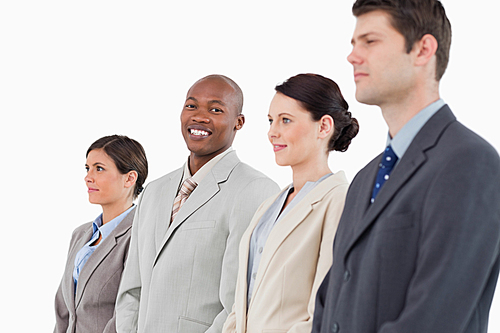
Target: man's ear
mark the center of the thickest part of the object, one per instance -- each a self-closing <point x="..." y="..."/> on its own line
<point x="426" y="48"/>
<point x="239" y="122"/>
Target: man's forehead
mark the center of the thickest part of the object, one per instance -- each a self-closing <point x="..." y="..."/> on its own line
<point x="372" y="23"/>
<point x="215" y="87"/>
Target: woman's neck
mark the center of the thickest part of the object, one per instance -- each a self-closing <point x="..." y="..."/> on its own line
<point x="310" y="172"/>
<point x="111" y="211"/>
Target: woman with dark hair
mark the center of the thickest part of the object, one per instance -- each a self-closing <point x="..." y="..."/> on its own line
<point x="85" y="301"/>
<point x="287" y="249"/>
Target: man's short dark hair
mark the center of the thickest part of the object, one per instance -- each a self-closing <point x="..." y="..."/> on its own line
<point x="414" y="19"/>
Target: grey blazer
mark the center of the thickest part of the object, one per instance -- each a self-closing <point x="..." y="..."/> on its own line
<point x="92" y="309"/>
<point x="424" y="257"/>
<point x="182" y="278"/>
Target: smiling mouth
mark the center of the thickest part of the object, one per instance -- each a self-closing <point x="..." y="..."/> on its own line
<point x="278" y="147"/>
<point x="197" y="133"/>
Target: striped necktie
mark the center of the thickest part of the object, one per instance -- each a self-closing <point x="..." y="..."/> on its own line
<point x="187" y="187"/>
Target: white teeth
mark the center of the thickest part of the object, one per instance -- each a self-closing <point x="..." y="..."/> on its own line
<point x="199" y="132"/>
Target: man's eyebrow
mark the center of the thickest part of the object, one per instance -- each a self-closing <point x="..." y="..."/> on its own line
<point x="217" y="101"/>
<point x="210" y="102"/>
<point x="366" y="35"/>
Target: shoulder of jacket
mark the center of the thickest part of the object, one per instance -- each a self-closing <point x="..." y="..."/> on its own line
<point x="82" y="228"/>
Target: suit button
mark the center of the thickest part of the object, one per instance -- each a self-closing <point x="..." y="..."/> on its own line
<point x="347" y="276"/>
<point x="335" y="328"/>
<point x="261" y="249"/>
<point x="254" y="275"/>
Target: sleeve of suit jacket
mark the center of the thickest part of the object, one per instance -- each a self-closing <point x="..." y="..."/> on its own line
<point x="62" y="312"/>
<point x="111" y="325"/>
<point x="458" y="247"/>
<point x="249" y="199"/>
<point x="129" y="293"/>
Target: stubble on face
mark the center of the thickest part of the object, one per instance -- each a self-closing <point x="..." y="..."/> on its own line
<point x="382" y="69"/>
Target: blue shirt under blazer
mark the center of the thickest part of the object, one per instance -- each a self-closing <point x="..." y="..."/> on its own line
<point x="91" y="308"/>
<point x="424" y="257"/>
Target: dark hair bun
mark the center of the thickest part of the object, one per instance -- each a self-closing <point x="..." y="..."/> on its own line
<point x="346" y="135"/>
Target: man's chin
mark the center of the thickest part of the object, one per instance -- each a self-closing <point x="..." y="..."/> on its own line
<point x="366" y="98"/>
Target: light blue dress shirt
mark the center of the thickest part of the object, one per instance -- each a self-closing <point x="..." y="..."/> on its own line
<point x="405" y="136"/>
<point x="266" y="225"/>
<point x="98" y="229"/>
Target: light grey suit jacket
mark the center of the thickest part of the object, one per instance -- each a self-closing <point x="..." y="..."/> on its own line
<point x="92" y="308"/>
<point x="182" y="278"/>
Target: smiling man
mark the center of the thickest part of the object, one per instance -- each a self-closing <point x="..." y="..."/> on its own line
<point x="417" y="247"/>
<point x="181" y="271"/>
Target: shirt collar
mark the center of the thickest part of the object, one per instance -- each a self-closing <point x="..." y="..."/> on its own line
<point x="107" y="228"/>
<point x="205" y="169"/>
<point x="405" y="136"/>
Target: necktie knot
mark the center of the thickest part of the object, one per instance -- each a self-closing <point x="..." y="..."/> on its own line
<point x="187" y="187"/>
<point x="389" y="159"/>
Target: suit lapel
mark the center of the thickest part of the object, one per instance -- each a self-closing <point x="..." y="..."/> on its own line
<point x="70" y="284"/>
<point x="244" y="250"/>
<point x="206" y="190"/>
<point x="291" y="220"/>
<point x="404" y="171"/>
<point x="100" y="253"/>
<point x="165" y="202"/>
<point x="412" y="160"/>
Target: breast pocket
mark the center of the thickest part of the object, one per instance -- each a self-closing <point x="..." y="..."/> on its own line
<point x="395" y="222"/>
<point x="191" y="225"/>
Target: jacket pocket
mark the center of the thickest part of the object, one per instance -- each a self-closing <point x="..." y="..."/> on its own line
<point x="189" y="225"/>
<point x="395" y="222"/>
<point x="191" y="325"/>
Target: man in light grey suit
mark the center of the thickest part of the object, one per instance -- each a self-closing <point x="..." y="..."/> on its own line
<point x="417" y="248"/>
<point x="181" y="270"/>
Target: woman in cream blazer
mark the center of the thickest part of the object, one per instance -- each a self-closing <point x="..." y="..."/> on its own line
<point x="287" y="249"/>
<point x="85" y="301"/>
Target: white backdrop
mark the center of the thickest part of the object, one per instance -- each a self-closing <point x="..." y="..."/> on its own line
<point x="71" y="72"/>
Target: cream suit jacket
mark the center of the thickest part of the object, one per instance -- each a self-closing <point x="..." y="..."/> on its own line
<point x="181" y="278"/>
<point x="92" y="309"/>
<point x="296" y="258"/>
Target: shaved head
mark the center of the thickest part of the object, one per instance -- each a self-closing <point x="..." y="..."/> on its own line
<point x="238" y="94"/>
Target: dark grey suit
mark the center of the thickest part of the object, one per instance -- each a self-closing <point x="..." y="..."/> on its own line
<point x="424" y="257"/>
<point x="92" y="308"/>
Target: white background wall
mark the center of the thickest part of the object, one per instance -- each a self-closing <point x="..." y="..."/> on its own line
<point x="71" y="72"/>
